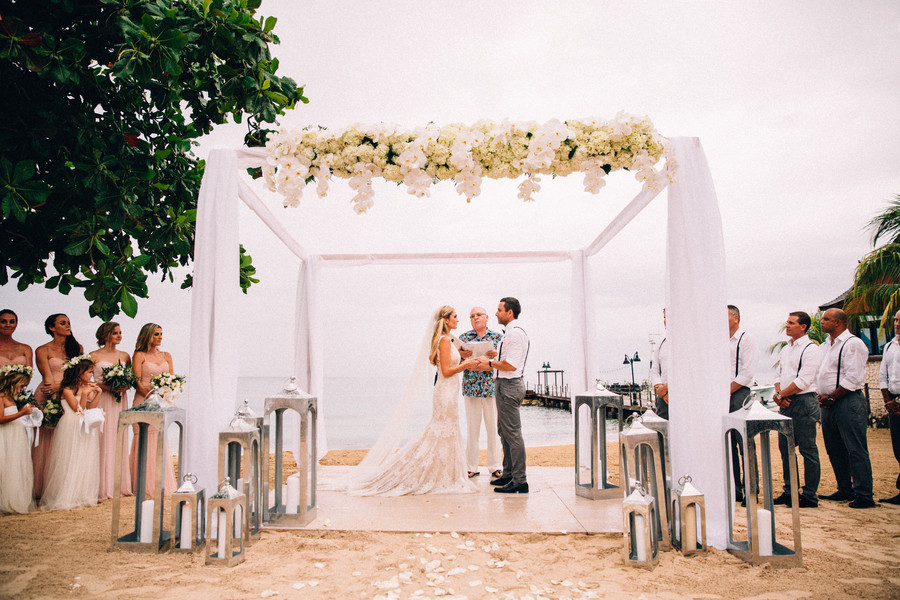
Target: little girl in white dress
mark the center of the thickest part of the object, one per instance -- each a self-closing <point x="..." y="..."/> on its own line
<point x="16" y="473"/>
<point x="73" y="472"/>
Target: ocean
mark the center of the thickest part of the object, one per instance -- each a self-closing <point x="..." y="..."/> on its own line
<point x="356" y="411"/>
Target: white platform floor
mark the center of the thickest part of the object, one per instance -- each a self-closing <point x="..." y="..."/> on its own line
<point x="551" y="507"/>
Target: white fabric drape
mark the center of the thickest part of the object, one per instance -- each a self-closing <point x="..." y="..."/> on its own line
<point x="212" y="383"/>
<point x="698" y="332"/>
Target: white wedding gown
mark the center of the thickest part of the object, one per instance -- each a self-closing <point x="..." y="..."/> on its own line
<point x="433" y="462"/>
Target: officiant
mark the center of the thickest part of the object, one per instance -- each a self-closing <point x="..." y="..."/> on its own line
<point x="478" y="391"/>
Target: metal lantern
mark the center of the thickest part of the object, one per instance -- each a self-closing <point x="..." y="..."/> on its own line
<point x="148" y="534"/>
<point x="653" y="421"/>
<point x="688" y="518"/>
<point x="228" y="546"/>
<point x="643" y="463"/>
<point x="754" y="422"/>
<point x="639" y="529"/>
<point x="596" y="402"/>
<point x="242" y="442"/>
<point x="293" y="503"/>
<point x="188" y="516"/>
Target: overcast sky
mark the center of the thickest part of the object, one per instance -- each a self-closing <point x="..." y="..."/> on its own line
<point x="796" y="105"/>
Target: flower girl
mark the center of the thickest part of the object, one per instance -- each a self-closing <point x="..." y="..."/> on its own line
<point x="16" y="474"/>
<point x="73" y="472"/>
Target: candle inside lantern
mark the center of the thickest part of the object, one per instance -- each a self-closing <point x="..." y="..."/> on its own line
<point x="238" y="519"/>
<point x="186" y="534"/>
<point x="220" y="535"/>
<point x="146" y="521"/>
<point x="640" y="538"/>
<point x="689" y="541"/>
<point x="293" y="494"/>
<point x="764" y="527"/>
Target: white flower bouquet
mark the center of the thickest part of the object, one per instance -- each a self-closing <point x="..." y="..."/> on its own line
<point x="169" y="386"/>
<point x="117" y="377"/>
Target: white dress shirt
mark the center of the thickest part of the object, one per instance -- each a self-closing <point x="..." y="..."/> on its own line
<point x="852" y="353"/>
<point x="659" y="373"/>
<point x="889" y="374"/>
<point x="798" y="364"/>
<point x="514" y="350"/>
<point x="748" y="357"/>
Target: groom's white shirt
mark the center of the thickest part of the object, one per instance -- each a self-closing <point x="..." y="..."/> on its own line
<point x="513" y="349"/>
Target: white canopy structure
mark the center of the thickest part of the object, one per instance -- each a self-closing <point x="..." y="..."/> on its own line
<point x="695" y="286"/>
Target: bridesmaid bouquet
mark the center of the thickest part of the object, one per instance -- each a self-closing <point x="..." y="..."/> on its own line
<point x="53" y="412"/>
<point x="169" y="385"/>
<point x="119" y="376"/>
<point x="24" y="397"/>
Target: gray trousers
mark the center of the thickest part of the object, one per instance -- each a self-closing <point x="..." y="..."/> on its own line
<point x="894" y="421"/>
<point x="735" y="402"/>
<point x="844" y="431"/>
<point x="509" y="394"/>
<point x="805" y="413"/>
<point x="662" y="408"/>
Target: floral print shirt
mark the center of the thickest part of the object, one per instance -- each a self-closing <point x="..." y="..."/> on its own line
<point x="479" y="384"/>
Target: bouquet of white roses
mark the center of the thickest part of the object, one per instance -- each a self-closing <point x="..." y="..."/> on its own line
<point x="119" y="376"/>
<point x="169" y="385"/>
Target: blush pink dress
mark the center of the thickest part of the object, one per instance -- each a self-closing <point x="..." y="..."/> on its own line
<point x="40" y="454"/>
<point x="73" y="476"/>
<point x="151" y="370"/>
<point x="111" y="408"/>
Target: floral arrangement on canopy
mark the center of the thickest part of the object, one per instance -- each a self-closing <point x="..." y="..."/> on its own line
<point x="466" y="154"/>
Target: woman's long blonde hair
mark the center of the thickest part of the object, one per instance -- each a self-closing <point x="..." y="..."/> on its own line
<point x="144" y="337"/>
<point x="440" y="328"/>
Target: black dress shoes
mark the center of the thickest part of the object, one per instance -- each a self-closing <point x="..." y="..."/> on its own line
<point x="784" y="499"/>
<point x="891" y="500"/>
<point x="862" y="503"/>
<point x="806" y="503"/>
<point x="502" y="480"/>
<point x="838" y="496"/>
<point x="513" y="488"/>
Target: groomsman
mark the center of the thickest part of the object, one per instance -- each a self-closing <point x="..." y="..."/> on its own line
<point x="744" y="357"/>
<point x="795" y="393"/>
<point x="510" y="391"/>
<point x="844" y="420"/>
<point x="889" y="379"/>
<point x="659" y="375"/>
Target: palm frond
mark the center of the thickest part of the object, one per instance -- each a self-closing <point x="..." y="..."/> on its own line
<point x="887" y="223"/>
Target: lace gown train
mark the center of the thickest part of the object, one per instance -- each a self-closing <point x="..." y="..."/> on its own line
<point x="434" y="462"/>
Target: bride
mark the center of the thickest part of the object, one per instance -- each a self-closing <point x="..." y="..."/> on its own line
<point x="433" y="462"/>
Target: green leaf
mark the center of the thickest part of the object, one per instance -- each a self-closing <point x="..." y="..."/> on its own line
<point x="78" y="247"/>
<point x="269" y="24"/>
<point x="129" y="304"/>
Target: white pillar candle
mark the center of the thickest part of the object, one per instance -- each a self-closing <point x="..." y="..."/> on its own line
<point x="689" y="541"/>
<point x="186" y="534"/>
<point x="221" y="532"/>
<point x="764" y="526"/>
<point x="238" y="520"/>
<point x="293" y="494"/>
<point x="146" y="521"/>
<point x="640" y="538"/>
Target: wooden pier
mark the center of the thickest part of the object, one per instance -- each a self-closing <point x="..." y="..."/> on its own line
<point x="552" y="391"/>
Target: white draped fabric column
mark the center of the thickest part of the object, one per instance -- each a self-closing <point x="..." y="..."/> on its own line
<point x="213" y="372"/>
<point x="698" y="332"/>
<point x="308" y="346"/>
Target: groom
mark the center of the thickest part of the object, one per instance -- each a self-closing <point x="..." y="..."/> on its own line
<point x="510" y="391"/>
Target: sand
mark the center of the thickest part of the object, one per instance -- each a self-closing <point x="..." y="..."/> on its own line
<point x="847" y="554"/>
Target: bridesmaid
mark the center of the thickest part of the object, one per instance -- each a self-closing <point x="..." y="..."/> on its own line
<point x="16" y="473"/>
<point x="50" y="358"/>
<point x="150" y="361"/>
<point x="11" y="351"/>
<point x="109" y="335"/>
